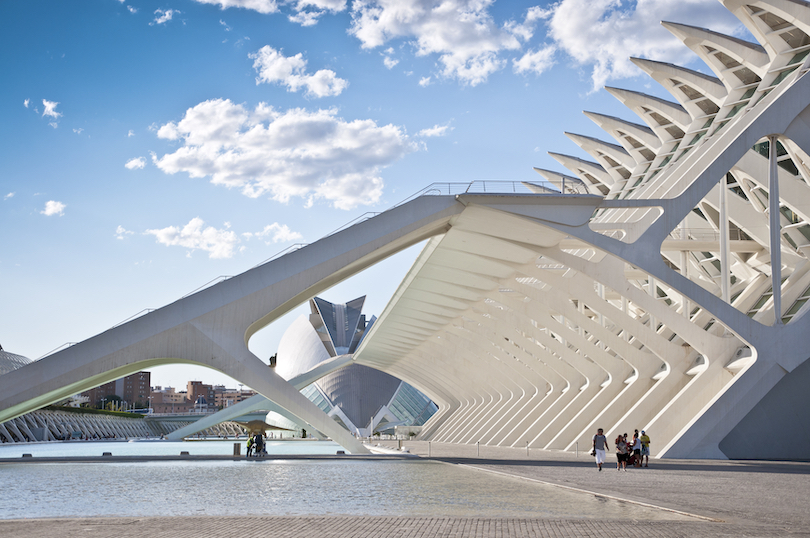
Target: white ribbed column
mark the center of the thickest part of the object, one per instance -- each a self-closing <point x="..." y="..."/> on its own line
<point x="775" y="225"/>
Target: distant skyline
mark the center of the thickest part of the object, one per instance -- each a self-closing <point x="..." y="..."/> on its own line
<point x="150" y="147"/>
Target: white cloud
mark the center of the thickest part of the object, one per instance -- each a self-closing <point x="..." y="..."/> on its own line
<point x="26" y="102"/>
<point x="525" y="30"/>
<point x="122" y="232"/>
<point x="277" y="233"/>
<point x="605" y="33"/>
<point x="262" y="6"/>
<point x="130" y="133"/>
<point x="306" y="18"/>
<point x="53" y="124"/>
<point x="461" y="32"/>
<point x="436" y="130"/>
<point x="424" y="81"/>
<point x="307" y="12"/>
<point x="136" y="163"/>
<point x="50" y="109"/>
<point x="53" y="208"/>
<point x="225" y="24"/>
<point x="304" y="12"/>
<point x="9" y="195"/>
<point x="78" y="131"/>
<point x="387" y="59"/>
<point x="162" y="17"/>
<point x="275" y="68"/>
<point x="132" y="9"/>
<point x="218" y="243"/>
<point x="536" y="62"/>
<point x="284" y="153"/>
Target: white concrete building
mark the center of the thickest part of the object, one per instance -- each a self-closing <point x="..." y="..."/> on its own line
<point x="665" y="287"/>
<point x="362" y="399"/>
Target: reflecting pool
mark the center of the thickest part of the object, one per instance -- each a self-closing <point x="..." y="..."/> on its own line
<point x="289" y="487"/>
<point x="160" y="448"/>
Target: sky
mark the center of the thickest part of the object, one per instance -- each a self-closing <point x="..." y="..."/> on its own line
<point x="149" y="147"/>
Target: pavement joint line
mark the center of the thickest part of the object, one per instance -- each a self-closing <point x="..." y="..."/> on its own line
<point x="580" y="490"/>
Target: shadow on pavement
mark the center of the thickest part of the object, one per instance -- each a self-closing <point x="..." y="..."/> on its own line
<point x="735" y="466"/>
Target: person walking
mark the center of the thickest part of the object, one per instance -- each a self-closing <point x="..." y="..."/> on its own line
<point x="621" y="454"/>
<point x="645" y="447"/>
<point x="636" y="450"/>
<point x="599" y="446"/>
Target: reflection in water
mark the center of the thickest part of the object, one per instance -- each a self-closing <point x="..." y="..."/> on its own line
<point x="289" y="487"/>
<point x="160" y="448"/>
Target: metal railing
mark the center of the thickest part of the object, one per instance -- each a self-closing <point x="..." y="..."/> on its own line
<point x="133" y="316"/>
<point x="707" y="234"/>
<point x="484" y="186"/>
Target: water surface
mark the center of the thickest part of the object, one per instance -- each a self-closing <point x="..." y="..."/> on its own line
<point x="289" y="487"/>
<point x="160" y="448"/>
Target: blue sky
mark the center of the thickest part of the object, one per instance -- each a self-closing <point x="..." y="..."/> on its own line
<point x="149" y="147"/>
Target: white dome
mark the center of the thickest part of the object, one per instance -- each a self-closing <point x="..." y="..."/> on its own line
<point x="11" y="361"/>
<point x="300" y="349"/>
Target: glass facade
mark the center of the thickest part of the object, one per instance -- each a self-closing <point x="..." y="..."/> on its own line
<point x="411" y="406"/>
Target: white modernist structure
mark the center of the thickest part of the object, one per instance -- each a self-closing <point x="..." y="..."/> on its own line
<point x="664" y="288"/>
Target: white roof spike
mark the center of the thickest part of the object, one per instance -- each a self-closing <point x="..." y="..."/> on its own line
<point x="663" y="72"/>
<point x="751" y="55"/>
<point x="668" y="120"/>
<point x="611" y="124"/>
<point x="583" y="169"/>
<point x="599" y="149"/>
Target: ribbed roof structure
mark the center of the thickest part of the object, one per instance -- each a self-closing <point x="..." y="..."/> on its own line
<point x="11" y="361"/>
<point x="653" y="315"/>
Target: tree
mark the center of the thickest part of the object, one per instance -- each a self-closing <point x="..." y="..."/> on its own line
<point x="107" y="400"/>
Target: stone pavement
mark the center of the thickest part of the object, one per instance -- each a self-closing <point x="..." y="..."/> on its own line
<point x="373" y="527"/>
<point x="737" y="498"/>
<point x="740" y="492"/>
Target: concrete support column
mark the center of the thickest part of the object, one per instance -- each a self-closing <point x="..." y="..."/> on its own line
<point x="4" y="432"/>
<point x="775" y="225"/>
<point x="684" y="271"/>
<point x="600" y="290"/>
<point x="12" y="424"/>
<point x="725" y="250"/>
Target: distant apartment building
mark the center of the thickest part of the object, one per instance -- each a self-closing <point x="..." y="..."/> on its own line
<point x="198" y="398"/>
<point x="133" y="389"/>
<point x="166" y="400"/>
<point x="225" y="397"/>
<point x="201" y="395"/>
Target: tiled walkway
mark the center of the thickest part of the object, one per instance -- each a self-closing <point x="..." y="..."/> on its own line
<point x="373" y="527"/>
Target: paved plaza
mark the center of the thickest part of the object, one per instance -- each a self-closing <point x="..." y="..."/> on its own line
<point x="727" y="498"/>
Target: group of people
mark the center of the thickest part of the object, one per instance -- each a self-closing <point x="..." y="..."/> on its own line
<point x="632" y="451"/>
<point x="256" y="445"/>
